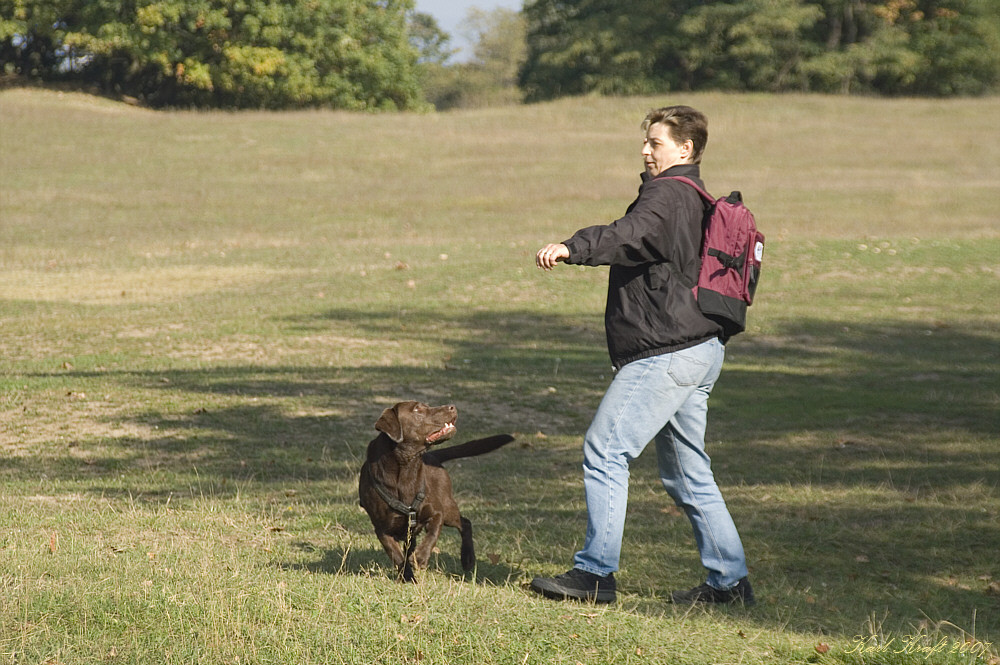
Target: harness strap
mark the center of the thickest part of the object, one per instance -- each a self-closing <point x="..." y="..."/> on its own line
<point x="397" y="505"/>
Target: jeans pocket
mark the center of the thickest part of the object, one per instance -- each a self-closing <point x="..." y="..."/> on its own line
<point x="686" y="369"/>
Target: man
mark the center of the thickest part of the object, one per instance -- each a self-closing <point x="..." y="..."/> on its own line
<point x="667" y="357"/>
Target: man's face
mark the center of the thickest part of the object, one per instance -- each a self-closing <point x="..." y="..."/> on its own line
<point x="660" y="151"/>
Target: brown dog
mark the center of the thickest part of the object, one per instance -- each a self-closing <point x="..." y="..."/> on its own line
<point x="404" y="489"/>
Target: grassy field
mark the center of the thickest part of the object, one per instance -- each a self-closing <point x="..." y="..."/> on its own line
<point x="203" y="314"/>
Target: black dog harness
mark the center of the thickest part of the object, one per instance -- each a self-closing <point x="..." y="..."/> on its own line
<point x="409" y="510"/>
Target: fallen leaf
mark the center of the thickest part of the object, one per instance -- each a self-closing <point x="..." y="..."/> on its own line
<point x="53" y="542"/>
<point x="822" y="647"/>
<point x="494" y="558"/>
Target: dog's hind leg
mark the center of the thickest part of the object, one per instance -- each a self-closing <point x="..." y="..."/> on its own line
<point x="468" y="549"/>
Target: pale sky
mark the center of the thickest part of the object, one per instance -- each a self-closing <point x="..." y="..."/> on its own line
<point x="450" y="13"/>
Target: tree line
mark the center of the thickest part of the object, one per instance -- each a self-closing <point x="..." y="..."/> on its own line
<point x="888" y="47"/>
<point x="346" y="54"/>
<point x="383" y="54"/>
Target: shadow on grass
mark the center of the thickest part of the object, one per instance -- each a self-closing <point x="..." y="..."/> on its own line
<point x="374" y="562"/>
<point x="521" y="372"/>
<point x="861" y="461"/>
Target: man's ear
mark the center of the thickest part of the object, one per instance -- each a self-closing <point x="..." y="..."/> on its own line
<point x="388" y="422"/>
<point x="687" y="149"/>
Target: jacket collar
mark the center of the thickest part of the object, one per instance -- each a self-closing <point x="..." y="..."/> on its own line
<point x="689" y="170"/>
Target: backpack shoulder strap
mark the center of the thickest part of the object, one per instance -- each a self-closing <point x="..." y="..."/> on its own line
<point x="705" y="195"/>
<point x="734" y="198"/>
<point x="709" y="202"/>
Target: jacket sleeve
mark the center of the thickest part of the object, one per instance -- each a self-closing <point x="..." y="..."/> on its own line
<point x="657" y="227"/>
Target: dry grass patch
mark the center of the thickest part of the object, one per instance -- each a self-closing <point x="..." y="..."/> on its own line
<point x="146" y="285"/>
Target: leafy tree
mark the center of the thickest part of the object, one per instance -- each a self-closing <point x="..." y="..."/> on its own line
<point x="604" y="46"/>
<point x="352" y="54"/>
<point x="432" y="43"/>
<point x="499" y="47"/>
<point x="490" y="77"/>
<point x="752" y="45"/>
<point x="31" y="37"/>
<point x="959" y="47"/>
<point x="931" y="47"/>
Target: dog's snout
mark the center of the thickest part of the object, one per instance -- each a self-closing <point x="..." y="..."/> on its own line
<point x="447" y="411"/>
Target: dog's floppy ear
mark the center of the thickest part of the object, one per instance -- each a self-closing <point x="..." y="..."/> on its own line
<point x="388" y="422"/>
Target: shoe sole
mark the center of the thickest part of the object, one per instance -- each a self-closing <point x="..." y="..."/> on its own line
<point x="734" y="601"/>
<point x="561" y="593"/>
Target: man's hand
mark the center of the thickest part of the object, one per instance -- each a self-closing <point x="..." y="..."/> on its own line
<point x="548" y="256"/>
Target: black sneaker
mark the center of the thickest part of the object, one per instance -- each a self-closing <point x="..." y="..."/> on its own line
<point x="578" y="585"/>
<point x="742" y="593"/>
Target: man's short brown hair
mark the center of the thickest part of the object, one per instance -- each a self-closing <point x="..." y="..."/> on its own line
<point x="685" y="123"/>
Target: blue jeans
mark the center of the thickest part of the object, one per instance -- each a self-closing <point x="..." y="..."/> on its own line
<point x="662" y="399"/>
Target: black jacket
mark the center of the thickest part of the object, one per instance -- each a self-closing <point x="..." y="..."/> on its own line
<point x="649" y="312"/>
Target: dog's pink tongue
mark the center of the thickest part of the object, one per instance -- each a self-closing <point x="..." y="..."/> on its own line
<point x="447" y="429"/>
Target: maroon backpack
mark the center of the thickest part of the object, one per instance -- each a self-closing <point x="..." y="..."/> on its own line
<point x="731" y="252"/>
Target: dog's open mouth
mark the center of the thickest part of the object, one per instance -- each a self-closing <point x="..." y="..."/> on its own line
<point x="442" y="433"/>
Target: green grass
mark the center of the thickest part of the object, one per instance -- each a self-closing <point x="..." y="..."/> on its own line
<point x="203" y="314"/>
